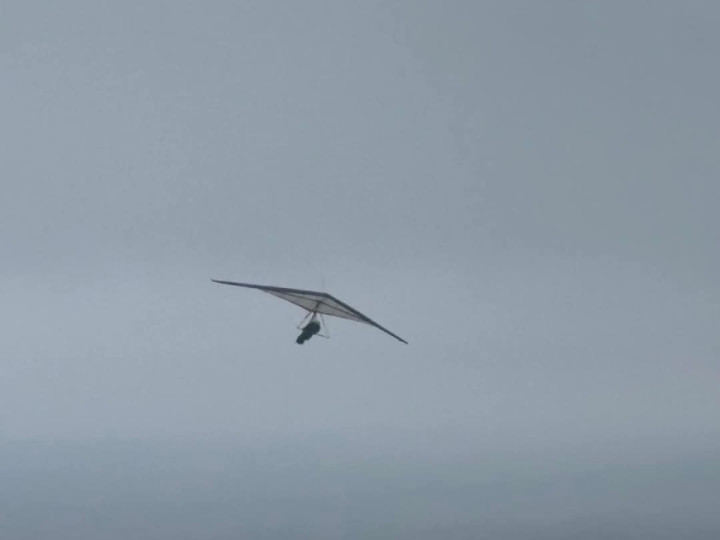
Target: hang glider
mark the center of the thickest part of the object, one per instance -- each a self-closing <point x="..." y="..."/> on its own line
<point x="316" y="303"/>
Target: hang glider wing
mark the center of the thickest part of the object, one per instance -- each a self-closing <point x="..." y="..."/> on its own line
<point x="314" y="301"/>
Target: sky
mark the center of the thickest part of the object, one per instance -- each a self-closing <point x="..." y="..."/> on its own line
<point x="524" y="191"/>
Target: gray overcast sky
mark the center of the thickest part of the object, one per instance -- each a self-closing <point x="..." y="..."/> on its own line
<point x="526" y="191"/>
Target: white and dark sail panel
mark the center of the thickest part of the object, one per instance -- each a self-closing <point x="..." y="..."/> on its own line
<point x="315" y="302"/>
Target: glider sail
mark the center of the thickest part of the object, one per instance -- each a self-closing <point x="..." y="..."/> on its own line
<point x="315" y="302"/>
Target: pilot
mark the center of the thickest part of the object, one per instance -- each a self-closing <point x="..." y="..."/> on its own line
<point x="310" y="329"/>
